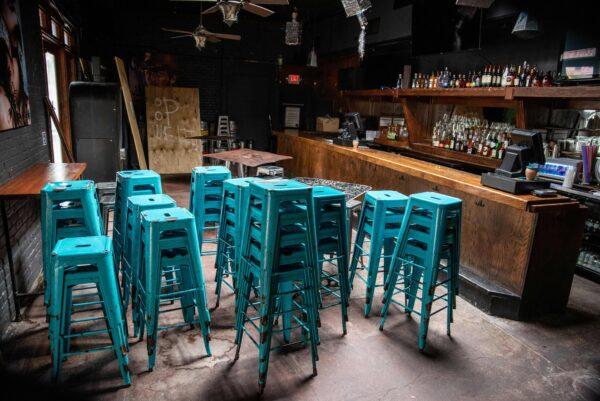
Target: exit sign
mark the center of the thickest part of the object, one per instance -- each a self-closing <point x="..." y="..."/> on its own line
<point x="293" y="79"/>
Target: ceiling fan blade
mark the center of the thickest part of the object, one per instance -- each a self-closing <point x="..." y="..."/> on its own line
<point x="177" y="31"/>
<point x="211" y="10"/>
<point x="224" y="36"/>
<point x="181" y="36"/>
<point x="213" y="39"/>
<point x="271" y="2"/>
<point x="258" y="10"/>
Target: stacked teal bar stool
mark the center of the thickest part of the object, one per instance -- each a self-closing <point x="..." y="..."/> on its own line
<point x="69" y="209"/>
<point x="169" y="244"/>
<point x="332" y="248"/>
<point x="85" y="261"/>
<point x="430" y="233"/>
<point x="236" y="193"/>
<point x="131" y="256"/>
<point x="206" y="200"/>
<point x="380" y="219"/>
<point x="130" y="183"/>
<point x="279" y="247"/>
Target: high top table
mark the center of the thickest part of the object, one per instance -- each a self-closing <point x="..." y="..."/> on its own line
<point x="28" y="184"/>
<point x="248" y="157"/>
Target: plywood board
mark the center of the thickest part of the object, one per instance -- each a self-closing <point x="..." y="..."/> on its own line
<point x="173" y="115"/>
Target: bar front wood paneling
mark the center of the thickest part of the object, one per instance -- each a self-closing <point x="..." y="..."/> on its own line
<point x="517" y="258"/>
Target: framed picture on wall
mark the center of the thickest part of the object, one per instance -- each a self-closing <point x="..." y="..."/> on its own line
<point x="14" y="95"/>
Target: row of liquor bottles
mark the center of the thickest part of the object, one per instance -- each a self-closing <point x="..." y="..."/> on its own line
<point x="472" y="135"/>
<point x="491" y="76"/>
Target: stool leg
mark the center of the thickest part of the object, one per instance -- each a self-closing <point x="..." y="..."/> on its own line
<point x="58" y="310"/>
<point x="360" y="237"/>
<point x="286" y="306"/>
<point x="152" y="304"/>
<point x="109" y="289"/>
<point x="185" y="282"/>
<point x="266" y="331"/>
<point x="201" y="303"/>
<point x="242" y="310"/>
<point x="390" y="287"/>
<point x="375" y="251"/>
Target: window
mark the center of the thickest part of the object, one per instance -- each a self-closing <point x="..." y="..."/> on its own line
<point x="59" y="47"/>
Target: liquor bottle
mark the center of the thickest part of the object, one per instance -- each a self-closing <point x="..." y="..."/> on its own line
<point x="517" y="78"/>
<point x="537" y="79"/>
<point x="478" y="80"/>
<point x="485" y="78"/>
<point x="432" y="79"/>
<point x="547" y="80"/>
<point x="504" y="80"/>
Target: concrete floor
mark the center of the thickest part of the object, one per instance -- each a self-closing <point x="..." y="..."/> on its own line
<point x="554" y="358"/>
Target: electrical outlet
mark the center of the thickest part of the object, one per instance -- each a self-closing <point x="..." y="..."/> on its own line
<point x="44" y="139"/>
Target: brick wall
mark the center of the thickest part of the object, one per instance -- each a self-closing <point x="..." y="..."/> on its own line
<point x="19" y="149"/>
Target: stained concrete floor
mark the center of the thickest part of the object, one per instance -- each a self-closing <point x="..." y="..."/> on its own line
<point x="487" y="358"/>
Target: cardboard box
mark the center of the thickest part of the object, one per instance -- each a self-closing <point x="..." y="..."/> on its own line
<point x="328" y="124"/>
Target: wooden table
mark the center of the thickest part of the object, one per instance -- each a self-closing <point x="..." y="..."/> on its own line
<point x="518" y="252"/>
<point x="248" y="157"/>
<point x="28" y="184"/>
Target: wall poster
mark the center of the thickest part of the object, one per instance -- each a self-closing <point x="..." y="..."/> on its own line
<point x="14" y="97"/>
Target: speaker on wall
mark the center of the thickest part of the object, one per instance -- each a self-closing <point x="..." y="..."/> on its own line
<point x="96" y="124"/>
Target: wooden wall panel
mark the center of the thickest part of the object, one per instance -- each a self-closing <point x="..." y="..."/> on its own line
<point x="173" y="114"/>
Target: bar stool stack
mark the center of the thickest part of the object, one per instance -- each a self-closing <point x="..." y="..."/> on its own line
<point x="236" y="193"/>
<point x="380" y="220"/>
<point x="430" y="233"/>
<point x="332" y="248"/>
<point x="131" y="256"/>
<point x="279" y="247"/>
<point x="78" y="259"/>
<point x="169" y="245"/>
<point x="130" y="183"/>
<point x="206" y="201"/>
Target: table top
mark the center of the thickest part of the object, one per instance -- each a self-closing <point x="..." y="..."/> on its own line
<point x="351" y="190"/>
<point x="31" y="181"/>
<point x="248" y="157"/>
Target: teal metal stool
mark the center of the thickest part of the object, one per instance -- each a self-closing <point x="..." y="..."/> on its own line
<point x="430" y="232"/>
<point x="69" y="209"/>
<point x="236" y="194"/>
<point x="85" y="261"/>
<point x="130" y="183"/>
<point x="170" y="245"/>
<point x="131" y="251"/>
<point x="278" y="247"/>
<point x="380" y="219"/>
<point x="206" y="201"/>
<point x="332" y="248"/>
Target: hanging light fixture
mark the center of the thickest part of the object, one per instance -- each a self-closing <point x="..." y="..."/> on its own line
<point x="230" y="11"/>
<point x="527" y="26"/>
<point x="293" y="30"/>
<point x="357" y="8"/>
<point x="312" y="57"/>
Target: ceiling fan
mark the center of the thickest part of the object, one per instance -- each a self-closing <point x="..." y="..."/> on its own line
<point x="230" y="9"/>
<point x="201" y="36"/>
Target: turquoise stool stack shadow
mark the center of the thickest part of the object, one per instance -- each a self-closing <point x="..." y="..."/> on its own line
<point x="169" y="245"/>
<point x="236" y="193"/>
<point x="279" y="247"/>
<point x="131" y="251"/>
<point x="69" y="209"/>
<point x="130" y="183"/>
<point x="380" y="219"/>
<point x="85" y="261"/>
<point x="206" y="201"/>
<point x="430" y="233"/>
<point x="332" y="247"/>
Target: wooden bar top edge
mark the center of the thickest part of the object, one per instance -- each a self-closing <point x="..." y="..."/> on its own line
<point x="446" y="176"/>
<point x="30" y="182"/>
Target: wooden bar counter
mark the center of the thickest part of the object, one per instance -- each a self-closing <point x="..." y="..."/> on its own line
<point x="518" y="252"/>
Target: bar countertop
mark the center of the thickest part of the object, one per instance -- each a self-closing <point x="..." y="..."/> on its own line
<point x="442" y="175"/>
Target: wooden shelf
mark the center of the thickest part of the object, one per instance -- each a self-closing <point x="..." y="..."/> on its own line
<point x="452" y="155"/>
<point x="512" y="93"/>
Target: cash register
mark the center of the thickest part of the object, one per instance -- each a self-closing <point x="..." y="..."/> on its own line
<point x="352" y="128"/>
<point x="527" y="147"/>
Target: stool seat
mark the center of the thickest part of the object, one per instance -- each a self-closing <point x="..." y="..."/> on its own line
<point x="82" y="248"/>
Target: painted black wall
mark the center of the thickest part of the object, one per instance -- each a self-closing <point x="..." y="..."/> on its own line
<point x="19" y="149"/>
